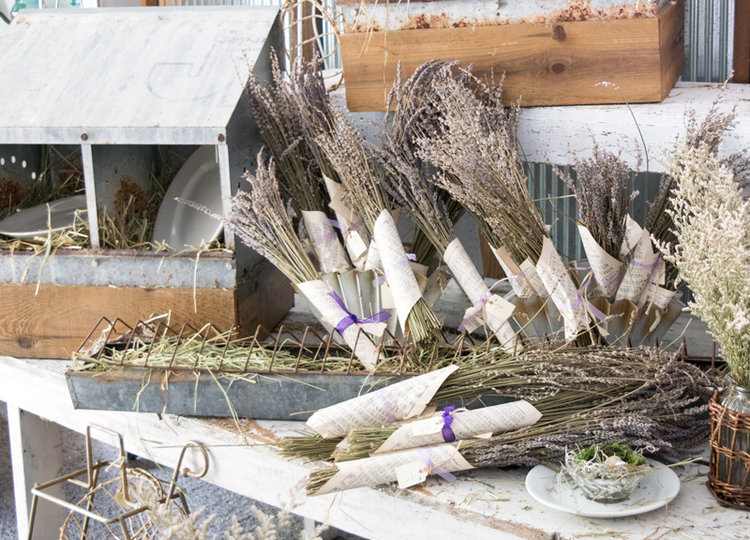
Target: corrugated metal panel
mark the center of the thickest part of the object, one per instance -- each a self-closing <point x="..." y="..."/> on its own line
<point x="128" y="76"/>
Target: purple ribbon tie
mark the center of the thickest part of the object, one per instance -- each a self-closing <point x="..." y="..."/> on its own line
<point x="475" y="310"/>
<point x="351" y="318"/>
<point x="425" y="454"/>
<point x="448" y="435"/>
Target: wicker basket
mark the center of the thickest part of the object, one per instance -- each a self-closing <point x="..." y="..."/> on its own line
<point x="729" y="466"/>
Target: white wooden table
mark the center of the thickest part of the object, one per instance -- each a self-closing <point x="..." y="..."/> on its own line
<point x="484" y="503"/>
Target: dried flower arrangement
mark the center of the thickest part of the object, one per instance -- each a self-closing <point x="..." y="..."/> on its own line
<point x="711" y="225"/>
<point x="605" y="473"/>
<point x="362" y="184"/>
<point x="435" y="213"/>
<point x="655" y="408"/>
<point x="476" y="148"/>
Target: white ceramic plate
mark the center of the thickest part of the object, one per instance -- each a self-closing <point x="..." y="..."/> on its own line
<point x="180" y="225"/>
<point x="32" y="223"/>
<point x="656" y="489"/>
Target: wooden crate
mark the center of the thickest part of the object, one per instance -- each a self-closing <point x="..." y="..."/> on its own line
<point x="51" y="322"/>
<point x="184" y="91"/>
<point x="563" y="63"/>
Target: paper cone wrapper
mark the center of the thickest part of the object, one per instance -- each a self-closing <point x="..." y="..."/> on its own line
<point x="399" y="401"/>
<point x="325" y="242"/>
<point x="605" y="267"/>
<point x="561" y="288"/>
<point x="398" y="273"/>
<point x="352" y="229"/>
<point x="408" y="467"/>
<point x="486" y="308"/>
<point x="317" y="292"/>
<point x="466" y="424"/>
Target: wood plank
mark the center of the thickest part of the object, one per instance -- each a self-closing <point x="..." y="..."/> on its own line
<point x="36" y="454"/>
<point x="742" y="42"/>
<point x="52" y="323"/>
<point x="671" y="45"/>
<point x="559" y="65"/>
<point x="263" y="297"/>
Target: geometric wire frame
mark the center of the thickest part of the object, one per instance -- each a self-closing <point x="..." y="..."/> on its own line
<point x="110" y="504"/>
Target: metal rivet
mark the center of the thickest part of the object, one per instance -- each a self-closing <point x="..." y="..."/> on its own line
<point x="221" y="137"/>
<point x="84" y="137"/>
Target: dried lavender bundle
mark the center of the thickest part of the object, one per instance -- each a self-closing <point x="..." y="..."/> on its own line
<point x="277" y="114"/>
<point x="476" y="147"/>
<point x="261" y="220"/>
<point x="476" y="144"/>
<point x="603" y="191"/>
<point x="410" y="188"/>
<point x="414" y="116"/>
<point x="281" y="119"/>
<point x="565" y="384"/>
<point x="362" y="178"/>
<point x="664" y="413"/>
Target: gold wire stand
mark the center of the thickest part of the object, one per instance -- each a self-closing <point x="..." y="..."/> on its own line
<point x="133" y="521"/>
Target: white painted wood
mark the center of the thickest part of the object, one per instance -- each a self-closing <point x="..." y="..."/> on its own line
<point x="225" y="181"/>
<point x="92" y="216"/>
<point x="127" y="75"/>
<point x="484" y="503"/>
<point x="36" y="453"/>
<point x="559" y="134"/>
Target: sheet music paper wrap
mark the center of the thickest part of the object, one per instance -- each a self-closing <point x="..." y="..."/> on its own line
<point x="466" y="424"/>
<point x="387" y="468"/>
<point x="317" y="292"/>
<point x="399" y="401"/>
<point x="492" y="309"/>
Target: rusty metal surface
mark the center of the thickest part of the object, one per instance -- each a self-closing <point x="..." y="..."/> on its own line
<point x="376" y="15"/>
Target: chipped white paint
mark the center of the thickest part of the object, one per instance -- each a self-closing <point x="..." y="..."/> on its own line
<point x="360" y="15"/>
<point x="559" y="134"/>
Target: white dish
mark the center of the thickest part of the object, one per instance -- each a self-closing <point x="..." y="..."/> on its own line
<point x="33" y="222"/>
<point x="656" y="489"/>
<point x="180" y="225"/>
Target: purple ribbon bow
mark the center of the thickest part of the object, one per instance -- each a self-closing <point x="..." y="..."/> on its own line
<point x="448" y="435"/>
<point x="351" y="318"/>
<point x="425" y="454"/>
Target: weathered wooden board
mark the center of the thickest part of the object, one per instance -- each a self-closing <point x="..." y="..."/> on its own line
<point x="582" y="62"/>
<point x="52" y="322"/>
